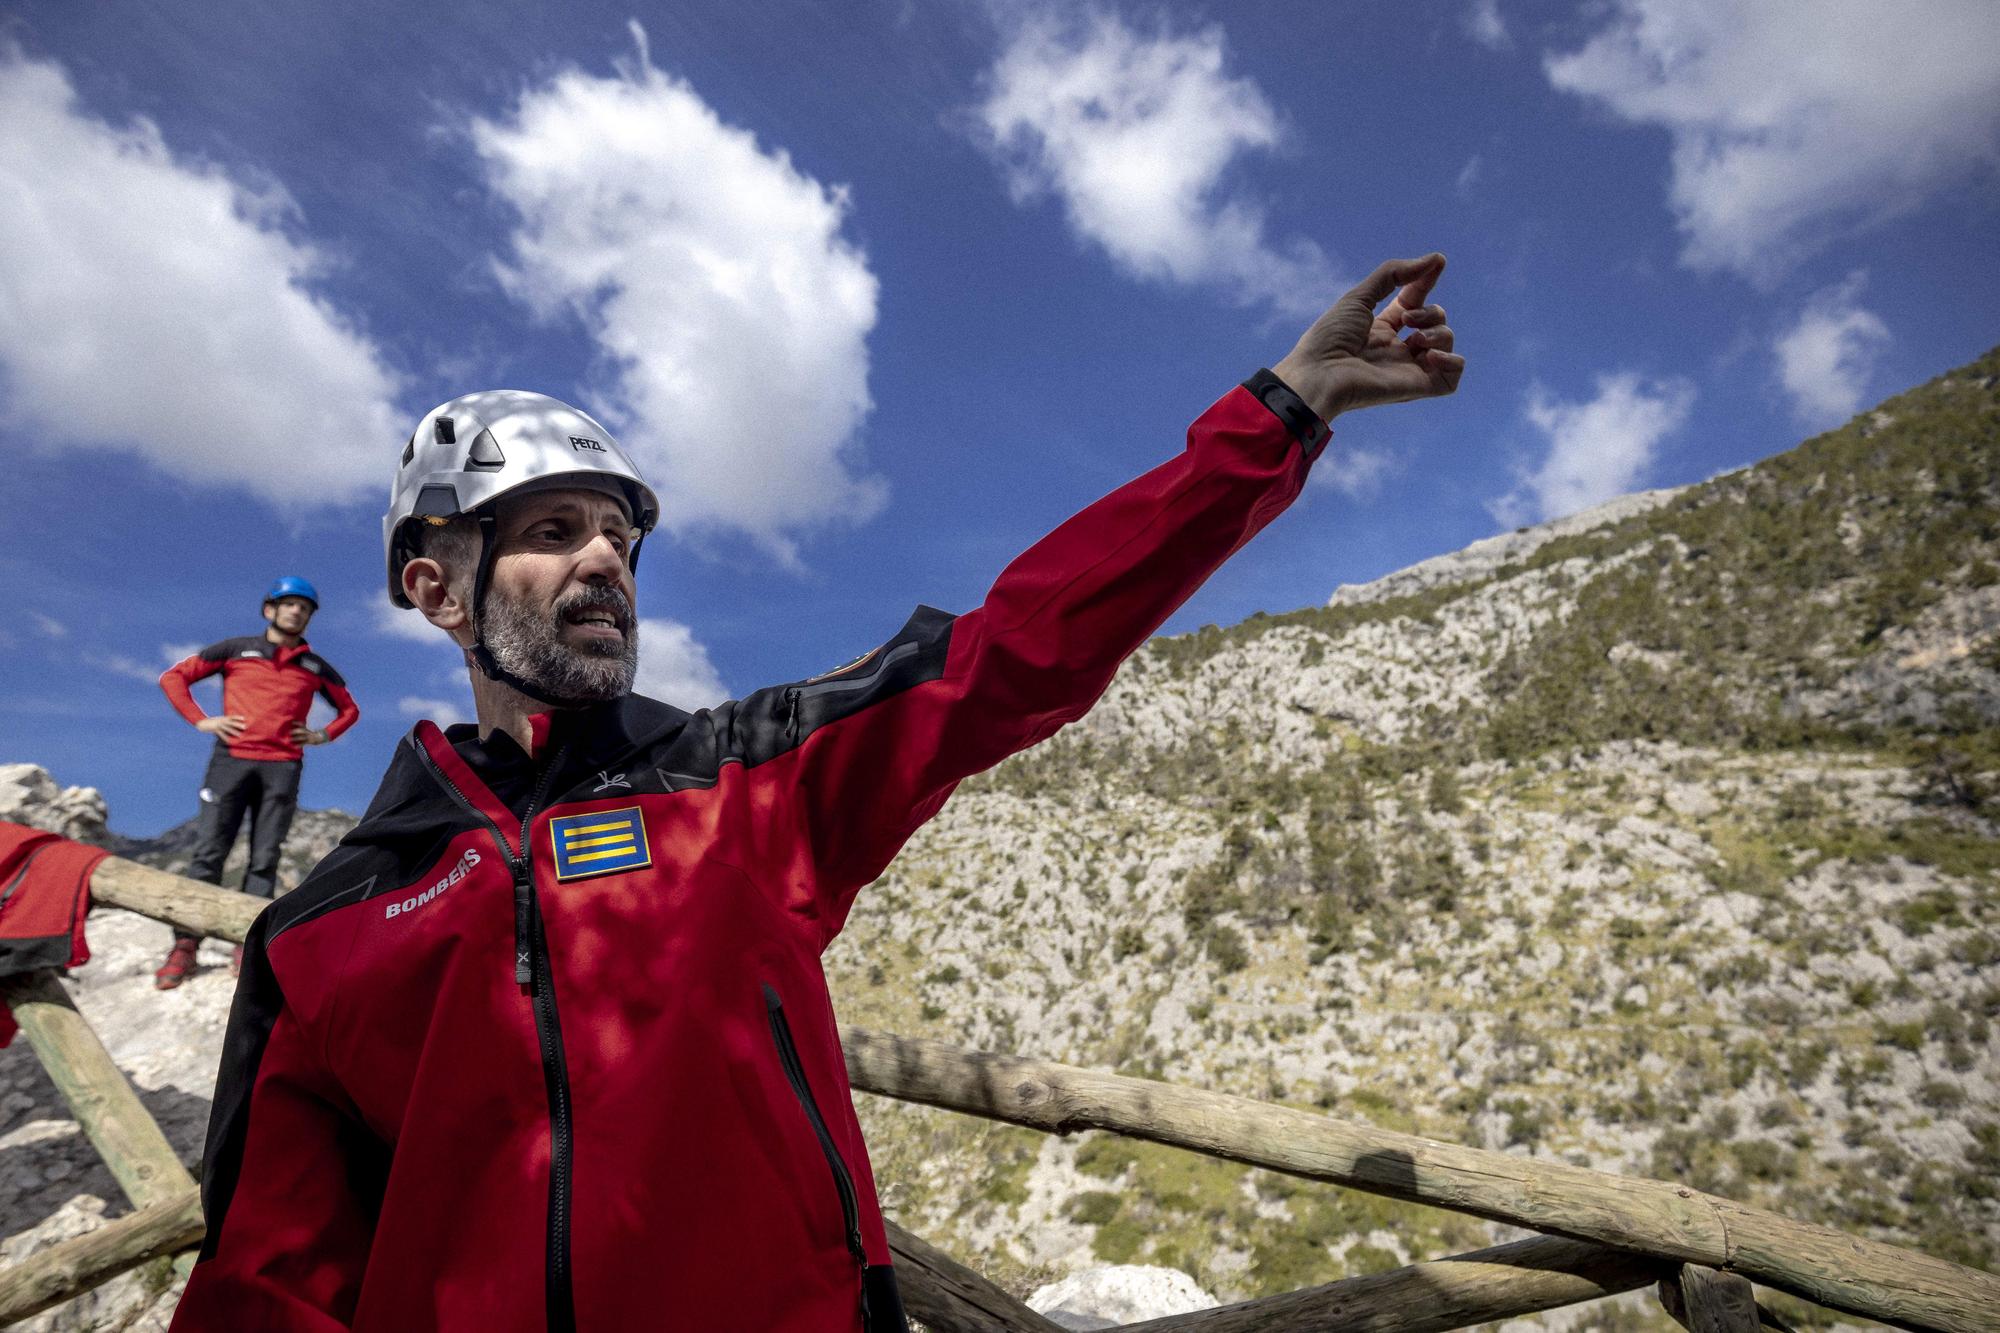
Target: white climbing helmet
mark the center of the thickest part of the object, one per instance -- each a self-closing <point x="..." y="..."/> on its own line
<point x="470" y="451"/>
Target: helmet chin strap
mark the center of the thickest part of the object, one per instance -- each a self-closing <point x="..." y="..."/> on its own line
<point x="481" y="654"/>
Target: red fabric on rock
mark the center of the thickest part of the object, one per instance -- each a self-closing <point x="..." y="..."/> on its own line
<point x="44" y="897"/>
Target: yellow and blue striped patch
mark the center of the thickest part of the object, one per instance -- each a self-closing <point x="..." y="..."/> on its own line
<point x="599" y="843"/>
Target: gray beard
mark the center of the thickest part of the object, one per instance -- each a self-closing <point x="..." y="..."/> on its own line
<point x="530" y="645"/>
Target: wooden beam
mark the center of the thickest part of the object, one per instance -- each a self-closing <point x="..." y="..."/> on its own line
<point x="141" y="1160"/>
<point x="947" y="1297"/>
<point x="65" y="1271"/>
<point x="1864" y="1277"/>
<point x="1503" y="1282"/>
<point x="1711" y="1302"/>
<point x="188" y="905"/>
<point x="1669" y="1293"/>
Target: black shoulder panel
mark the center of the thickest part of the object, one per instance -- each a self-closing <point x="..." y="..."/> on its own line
<point x="397" y="841"/>
<point x="761" y="726"/>
<point x="324" y="669"/>
<point x="228" y="648"/>
<point x="252" y="1016"/>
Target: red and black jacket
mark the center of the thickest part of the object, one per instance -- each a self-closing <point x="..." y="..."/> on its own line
<point x="546" y="1044"/>
<point x="269" y="687"/>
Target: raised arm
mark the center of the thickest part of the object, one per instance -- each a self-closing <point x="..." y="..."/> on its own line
<point x="881" y="744"/>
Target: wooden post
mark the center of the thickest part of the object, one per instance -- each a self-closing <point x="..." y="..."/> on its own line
<point x="117" y="1123"/>
<point x="65" y="1271"/>
<point x="188" y="905"/>
<point x="1703" y="1300"/>
<point x="1849" y="1273"/>
<point x="947" y="1297"/>
<point x="1503" y="1282"/>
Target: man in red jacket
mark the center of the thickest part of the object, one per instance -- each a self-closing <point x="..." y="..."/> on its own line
<point x="268" y="685"/>
<point x="545" y="1043"/>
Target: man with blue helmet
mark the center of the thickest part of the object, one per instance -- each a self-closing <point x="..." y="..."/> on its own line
<point x="268" y="685"/>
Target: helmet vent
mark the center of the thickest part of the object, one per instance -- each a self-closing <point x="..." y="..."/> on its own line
<point x="446" y="431"/>
<point x="409" y="451"/>
<point x="485" y="455"/>
<point x="435" y="501"/>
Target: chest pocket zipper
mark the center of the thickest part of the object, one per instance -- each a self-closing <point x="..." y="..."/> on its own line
<point x="795" y="1074"/>
<point x="881" y="1303"/>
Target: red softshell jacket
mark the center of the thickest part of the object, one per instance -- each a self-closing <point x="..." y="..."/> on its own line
<point x="568" y="1061"/>
<point x="44" y="898"/>
<point x="269" y="687"/>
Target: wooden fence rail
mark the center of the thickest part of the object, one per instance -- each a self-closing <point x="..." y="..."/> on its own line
<point x="188" y="905"/>
<point x="66" y="1270"/>
<point x="1503" y="1282"/>
<point x="112" y="1117"/>
<point x="1607" y="1233"/>
<point x="1865" y="1277"/>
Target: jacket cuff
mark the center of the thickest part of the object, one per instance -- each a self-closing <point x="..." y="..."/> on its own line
<point x="1304" y="423"/>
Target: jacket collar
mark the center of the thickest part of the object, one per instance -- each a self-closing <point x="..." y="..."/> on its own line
<point x="591" y="737"/>
<point x="280" y="654"/>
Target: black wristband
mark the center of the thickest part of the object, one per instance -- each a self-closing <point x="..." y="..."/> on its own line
<point x="1304" y="423"/>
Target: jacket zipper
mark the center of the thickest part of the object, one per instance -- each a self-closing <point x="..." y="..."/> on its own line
<point x="531" y="967"/>
<point x="795" y="1074"/>
<point x="796" y="694"/>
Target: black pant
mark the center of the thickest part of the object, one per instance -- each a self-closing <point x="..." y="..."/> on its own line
<point x="265" y="789"/>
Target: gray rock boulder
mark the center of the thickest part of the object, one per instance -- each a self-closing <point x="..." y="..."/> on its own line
<point x="1119" y="1294"/>
<point x="28" y="795"/>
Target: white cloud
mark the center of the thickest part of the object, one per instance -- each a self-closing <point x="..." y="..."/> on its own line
<point x="674" y="667"/>
<point x="133" y="669"/>
<point x="49" y="626"/>
<point x="1825" y="359"/>
<point x="121" y="664"/>
<point x="1134" y="134"/>
<point x="1796" y="120"/>
<point x="1597" y="449"/>
<point x="1468" y="175"/>
<point x="151" y="303"/>
<point x="1482" y="22"/>
<point x="444" y="712"/>
<point x="393" y="622"/>
<point x="731" y="312"/>
<point x="118" y="664"/>
<point x="1356" y="473"/>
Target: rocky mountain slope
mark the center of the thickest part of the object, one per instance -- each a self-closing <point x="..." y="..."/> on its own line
<point x="1661" y="843"/>
<point x="1662" y="840"/>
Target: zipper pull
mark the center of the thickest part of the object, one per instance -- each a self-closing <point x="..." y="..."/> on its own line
<point x="523" y="971"/>
<point x="792" y="715"/>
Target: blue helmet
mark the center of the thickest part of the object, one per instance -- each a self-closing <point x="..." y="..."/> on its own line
<point x="293" y="586"/>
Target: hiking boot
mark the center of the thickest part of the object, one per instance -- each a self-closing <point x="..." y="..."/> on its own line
<point x="179" y="965"/>
<point x="236" y="961"/>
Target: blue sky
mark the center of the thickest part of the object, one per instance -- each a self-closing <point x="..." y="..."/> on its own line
<point x="880" y="291"/>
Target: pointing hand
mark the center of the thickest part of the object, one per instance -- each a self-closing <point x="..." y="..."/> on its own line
<point x="1351" y="357"/>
